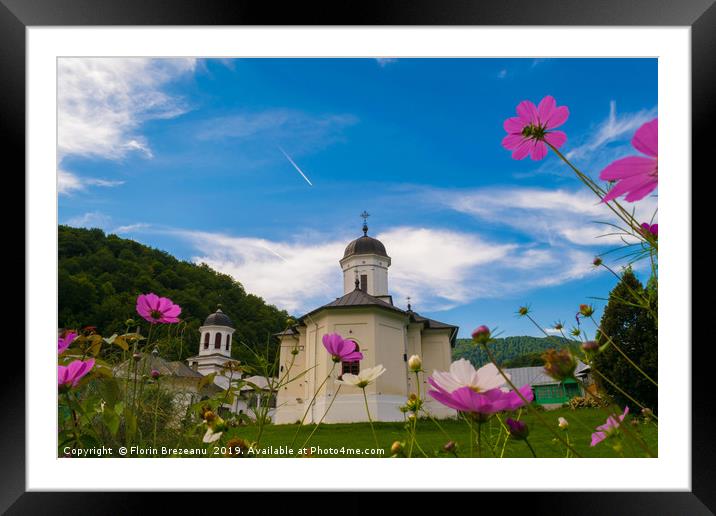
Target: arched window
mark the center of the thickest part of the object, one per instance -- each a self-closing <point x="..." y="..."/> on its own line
<point x="206" y="340"/>
<point x="217" y="341"/>
<point x="351" y="367"/>
<point x="228" y="342"/>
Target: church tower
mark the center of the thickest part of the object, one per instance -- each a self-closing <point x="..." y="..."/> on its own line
<point x="365" y="265"/>
<point x="216" y="334"/>
<point x="215" y="337"/>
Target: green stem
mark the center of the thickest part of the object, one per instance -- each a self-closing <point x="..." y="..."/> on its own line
<point x="526" y="402"/>
<point x="315" y="394"/>
<point x="530" y="447"/>
<point x="370" y="420"/>
<point x="322" y="417"/>
<point x="156" y="417"/>
<point x="479" y="438"/>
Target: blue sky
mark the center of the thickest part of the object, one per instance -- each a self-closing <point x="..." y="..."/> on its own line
<point x="186" y="156"/>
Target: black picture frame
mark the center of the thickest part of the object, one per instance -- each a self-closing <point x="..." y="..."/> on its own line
<point x="17" y="15"/>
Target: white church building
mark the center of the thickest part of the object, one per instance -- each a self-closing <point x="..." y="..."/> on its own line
<point x="384" y="333"/>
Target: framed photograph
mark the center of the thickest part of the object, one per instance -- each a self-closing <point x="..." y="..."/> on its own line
<point x="417" y="244"/>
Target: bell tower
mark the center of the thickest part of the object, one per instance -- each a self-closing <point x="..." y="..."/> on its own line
<point x="365" y="265"/>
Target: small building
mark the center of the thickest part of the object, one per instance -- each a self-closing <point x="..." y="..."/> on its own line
<point x="175" y="376"/>
<point x="547" y="391"/>
<point x="215" y="338"/>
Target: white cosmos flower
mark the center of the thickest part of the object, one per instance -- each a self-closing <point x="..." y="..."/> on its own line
<point x="210" y="436"/>
<point x="364" y="378"/>
<point x="463" y="374"/>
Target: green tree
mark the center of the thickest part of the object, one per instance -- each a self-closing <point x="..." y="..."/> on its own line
<point x="100" y="277"/>
<point x="635" y="331"/>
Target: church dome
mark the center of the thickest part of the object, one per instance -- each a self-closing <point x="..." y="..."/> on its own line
<point x="365" y="245"/>
<point x="218" y="318"/>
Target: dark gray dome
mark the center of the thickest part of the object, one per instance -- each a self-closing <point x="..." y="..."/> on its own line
<point x="365" y="245"/>
<point x="218" y="318"/>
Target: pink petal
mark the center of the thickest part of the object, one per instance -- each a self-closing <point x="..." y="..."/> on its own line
<point x="523" y="149"/>
<point x="172" y="311"/>
<point x="626" y="167"/>
<point x="446" y="399"/>
<point x="61" y="375"/>
<point x="557" y="118"/>
<point x="545" y="109"/>
<point x="646" y="138"/>
<point x="512" y="141"/>
<point x="528" y="112"/>
<point x="598" y="437"/>
<point x="639" y="193"/>
<point x="514" y="125"/>
<point x="539" y="151"/>
<point x="152" y="301"/>
<point x="555" y="138"/>
<point x="352" y="357"/>
<point x="164" y="304"/>
<point x="628" y="185"/>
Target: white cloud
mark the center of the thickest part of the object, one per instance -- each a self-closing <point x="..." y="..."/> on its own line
<point x="385" y="61"/>
<point x="294" y="276"/>
<point x="296" y="131"/>
<point x="93" y="219"/>
<point x="553" y="216"/>
<point x="102" y="103"/>
<point x="502" y="73"/>
<point x="439" y="269"/>
<point x="131" y="228"/>
<point x="613" y="128"/>
<point x="67" y="182"/>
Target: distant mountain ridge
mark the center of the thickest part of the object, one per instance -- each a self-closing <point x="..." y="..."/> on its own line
<point x="100" y="277"/>
<point x="508" y="349"/>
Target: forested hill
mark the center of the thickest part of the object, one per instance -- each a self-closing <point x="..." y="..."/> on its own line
<point x="507" y="349"/>
<point x="101" y="275"/>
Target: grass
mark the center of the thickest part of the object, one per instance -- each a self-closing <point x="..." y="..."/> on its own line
<point x="339" y="440"/>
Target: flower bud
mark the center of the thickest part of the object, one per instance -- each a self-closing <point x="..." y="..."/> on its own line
<point x="586" y="310"/>
<point x="137" y="356"/>
<point x="414" y="403"/>
<point x="597" y="261"/>
<point x="562" y="423"/>
<point x="450" y="446"/>
<point x="518" y="429"/>
<point x="560" y="365"/>
<point x="590" y="345"/>
<point x="155" y="374"/>
<point x="411" y="417"/>
<point x="523" y="310"/>
<point x="129" y="322"/>
<point x="481" y="335"/>
<point x="558" y="325"/>
<point x="396" y="448"/>
<point x="415" y="364"/>
<point x="576" y="332"/>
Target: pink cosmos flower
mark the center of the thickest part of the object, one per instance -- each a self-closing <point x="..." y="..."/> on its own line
<point x="603" y="431"/>
<point x="157" y="309"/>
<point x="64" y="342"/>
<point x="637" y="176"/>
<point x="70" y="376"/>
<point x="340" y="349"/>
<point x="528" y="132"/>
<point x="651" y="228"/>
<point x="483" y="403"/>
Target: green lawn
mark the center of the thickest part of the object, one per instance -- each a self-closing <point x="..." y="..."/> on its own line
<point x="341" y="437"/>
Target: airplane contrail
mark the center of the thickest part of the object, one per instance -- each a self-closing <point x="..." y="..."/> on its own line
<point x="296" y="166"/>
